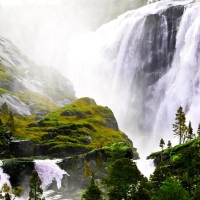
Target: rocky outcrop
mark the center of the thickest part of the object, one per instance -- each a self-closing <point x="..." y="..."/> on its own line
<point x="15" y="105"/>
<point x="22" y="81"/>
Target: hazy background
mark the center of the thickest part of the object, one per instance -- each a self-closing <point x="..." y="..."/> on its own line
<point x="42" y="29"/>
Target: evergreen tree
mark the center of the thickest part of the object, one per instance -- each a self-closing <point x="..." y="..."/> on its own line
<point x="87" y="170"/>
<point x="5" y="109"/>
<point x="122" y="179"/>
<point x="92" y="192"/>
<point x="198" y="131"/>
<point x="190" y="135"/>
<point x="169" y="144"/>
<point x="99" y="163"/>
<point x="179" y="127"/>
<point x="172" y="190"/>
<point x="35" y="187"/>
<point x="162" y="143"/>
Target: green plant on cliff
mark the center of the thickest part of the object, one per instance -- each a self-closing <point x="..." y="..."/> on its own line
<point x="92" y="192"/>
<point x="36" y="191"/>
<point x="172" y="189"/>
<point x="6" y="189"/>
<point x="179" y="127"/>
<point x="87" y="171"/>
<point x="162" y="144"/>
<point x="123" y="175"/>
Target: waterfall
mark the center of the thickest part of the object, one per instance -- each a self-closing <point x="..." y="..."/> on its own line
<point x="146" y="167"/>
<point x="143" y="65"/>
<point x="4" y="178"/>
<point x="48" y="170"/>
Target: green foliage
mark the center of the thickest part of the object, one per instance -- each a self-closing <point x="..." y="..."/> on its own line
<point x="36" y="191"/>
<point x="92" y="192"/>
<point x="172" y="189"/>
<point x="87" y="171"/>
<point x="169" y="144"/>
<point x="41" y="100"/>
<point x="122" y="179"/>
<point x="3" y="91"/>
<point x="179" y="127"/>
<point x="8" y="191"/>
<point x="5" y="109"/>
<point x="162" y="143"/>
<point x="117" y="150"/>
<point x="99" y="163"/>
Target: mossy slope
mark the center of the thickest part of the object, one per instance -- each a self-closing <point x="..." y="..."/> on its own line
<point x="73" y="129"/>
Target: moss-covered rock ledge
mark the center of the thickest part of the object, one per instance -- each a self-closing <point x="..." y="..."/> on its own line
<point x="74" y="129"/>
<point x="178" y="152"/>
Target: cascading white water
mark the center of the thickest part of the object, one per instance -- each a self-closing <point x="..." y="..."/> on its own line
<point x="48" y="170"/>
<point x="145" y="166"/>
<point x="4" y="178"/>
<point x="143" y="65"/>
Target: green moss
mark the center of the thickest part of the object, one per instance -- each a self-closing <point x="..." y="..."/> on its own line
<point x="84" y="125"/>
<point x="4" y="91"/>
<point x="42" y="101"/>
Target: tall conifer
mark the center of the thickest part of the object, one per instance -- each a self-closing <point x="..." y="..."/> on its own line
<point x="35" y="187"/>
<point x="179" y="127"/>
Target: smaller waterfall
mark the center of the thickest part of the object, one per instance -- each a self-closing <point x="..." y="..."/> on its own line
<point x="48" y="170"/>
<point x="4" y="178"/>
<point x="146" y="167"/>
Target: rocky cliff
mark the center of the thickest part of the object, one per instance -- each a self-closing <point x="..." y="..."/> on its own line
<point x="28" y="88"/>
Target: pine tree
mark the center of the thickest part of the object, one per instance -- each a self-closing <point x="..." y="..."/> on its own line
<point x="92" y="192"/>
<point x="162" y="143"/>
<point x="169" y="144"/>
<point x="198" y="131"/>
<point x="5" y="109"/>
<point x="87" y="170"/>
<point x="179" y="127"/>
<point x="190" y="132"/>
<point x="122" y="179"/>
<point x="35" y="187"/>
<point x="99" y="163"/>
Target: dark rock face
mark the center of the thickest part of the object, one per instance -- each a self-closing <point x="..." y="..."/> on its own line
<point x="47" y="150"/>
<point x="22" y="148"/>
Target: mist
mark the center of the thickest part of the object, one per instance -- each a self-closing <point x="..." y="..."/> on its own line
<point x="42" y="29"/>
